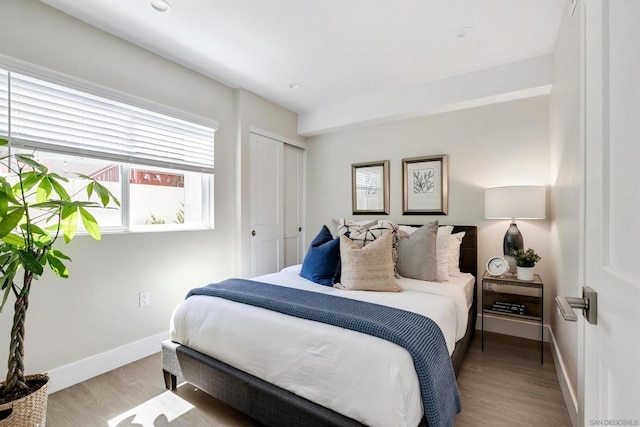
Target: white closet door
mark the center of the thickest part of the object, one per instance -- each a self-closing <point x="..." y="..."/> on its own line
<point x="293" y="204"/>
<point x="267" y="217"/>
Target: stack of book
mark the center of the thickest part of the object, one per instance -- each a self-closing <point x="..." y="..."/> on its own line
<point x="508" y="307"/>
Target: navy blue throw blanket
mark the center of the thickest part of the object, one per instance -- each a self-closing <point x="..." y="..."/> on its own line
<point x="419" y="335"/>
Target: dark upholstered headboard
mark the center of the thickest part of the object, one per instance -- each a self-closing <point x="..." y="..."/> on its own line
<point x="468" y="249"/>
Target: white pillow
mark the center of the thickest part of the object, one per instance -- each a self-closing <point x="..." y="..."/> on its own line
<point x="442" y="252"/>
<point x="406" y="230"/>
<point x="453" y="255"/>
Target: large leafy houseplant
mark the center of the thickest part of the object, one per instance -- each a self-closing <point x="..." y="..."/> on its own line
<point x="35" y="211"/>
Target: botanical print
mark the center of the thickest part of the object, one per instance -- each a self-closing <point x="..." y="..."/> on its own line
<point x="423" y="181"/>
<point x="371" y="184"/>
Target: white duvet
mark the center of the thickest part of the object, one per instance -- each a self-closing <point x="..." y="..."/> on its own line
<point x="365" y="378"/>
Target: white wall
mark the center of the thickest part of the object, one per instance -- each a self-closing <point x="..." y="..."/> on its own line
<point x="495" y="145"/>
<point x="566" y="177"/>
<point x="96" y="309"/>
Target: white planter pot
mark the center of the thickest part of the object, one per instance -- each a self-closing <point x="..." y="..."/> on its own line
<point x="525" y="273"/>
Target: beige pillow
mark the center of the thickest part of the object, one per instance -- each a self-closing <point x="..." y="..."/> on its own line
<point x="369" y="268"/>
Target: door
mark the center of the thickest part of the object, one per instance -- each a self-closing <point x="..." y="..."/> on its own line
<point x="293" y="203"/>
<point x="266" y="158"/>
<point x="610" y="350"/>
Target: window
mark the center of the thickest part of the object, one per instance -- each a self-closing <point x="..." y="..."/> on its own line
<point x="160" y="166"/>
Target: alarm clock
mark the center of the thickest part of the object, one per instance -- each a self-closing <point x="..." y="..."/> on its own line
<point x="497" y="266"/>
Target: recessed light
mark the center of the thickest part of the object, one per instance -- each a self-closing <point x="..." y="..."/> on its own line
<point x="295" y="85"/>
<point x="464" y="32"/>
<point x="160" y="6"/>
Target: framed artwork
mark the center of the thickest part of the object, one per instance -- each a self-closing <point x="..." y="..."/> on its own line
<point x="370" y="188"/>
<point x="425" y="182"/>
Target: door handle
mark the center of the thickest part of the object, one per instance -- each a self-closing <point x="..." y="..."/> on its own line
<point x="253" y="232"/>
<point x="588" y="303"/>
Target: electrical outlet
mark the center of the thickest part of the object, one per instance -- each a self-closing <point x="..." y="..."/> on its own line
<point x="145" y="299"/>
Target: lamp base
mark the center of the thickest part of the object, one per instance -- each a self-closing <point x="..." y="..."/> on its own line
<point x="512" y="242"/>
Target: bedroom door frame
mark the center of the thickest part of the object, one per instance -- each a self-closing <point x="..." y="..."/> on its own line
<point x="270" y="233"/>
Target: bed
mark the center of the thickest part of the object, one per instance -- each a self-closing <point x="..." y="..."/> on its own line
<point x="280" y="399"/>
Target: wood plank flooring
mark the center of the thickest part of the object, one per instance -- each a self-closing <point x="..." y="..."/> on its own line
<point x="503" y="386"/>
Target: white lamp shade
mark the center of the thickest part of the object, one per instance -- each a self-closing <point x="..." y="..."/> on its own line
<point x="521" y="202"/>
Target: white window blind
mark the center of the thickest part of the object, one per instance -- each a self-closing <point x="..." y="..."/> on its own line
<point x="4" y="104"/>
<point x="56" y="118"/>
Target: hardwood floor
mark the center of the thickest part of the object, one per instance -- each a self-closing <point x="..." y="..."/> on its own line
<point x="503" y="386"/>
<point x="507" y="386"/>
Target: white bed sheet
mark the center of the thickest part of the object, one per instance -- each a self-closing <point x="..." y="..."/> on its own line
<point x="363" y="377"/>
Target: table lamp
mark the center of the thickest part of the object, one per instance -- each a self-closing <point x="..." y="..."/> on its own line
<point x="514" y="202"/>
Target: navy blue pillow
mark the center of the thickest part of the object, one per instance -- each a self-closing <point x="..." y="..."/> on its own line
<point x="322" y="258"/>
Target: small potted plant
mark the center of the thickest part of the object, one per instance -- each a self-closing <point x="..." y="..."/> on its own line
<point x="525" y="260"/>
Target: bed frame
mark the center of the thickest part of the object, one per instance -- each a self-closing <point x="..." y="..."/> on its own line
<point x="272" y="406"/>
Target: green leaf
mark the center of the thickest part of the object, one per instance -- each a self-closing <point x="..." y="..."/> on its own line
<point x="90" y="189"/>
<point x="90" y="223"/>
<point x="59" y="254"/>
<point x="57" y="177"/>
<point x="68" y="210"/>
<point x="8" y="191"/>
<point x="44" y="190"/>
<point x="102" y="192"/>
<point x="10" y="221"/>
<point x="69" y="223"/>
<point x="58" y="188"/>
<point x="57" y="266"/>
<point x="34" y="229"/>
<point x="27" y="159"/>
<point x="14" y="239"/>
<point x="30" y="263"/>
<point x="3" y="141"/>
<point x="4" y="203"/>
<point x="6" y="281"/>
<point x="78" y="203"/>
<point x="27" y="181"/>
<point x="49" y="204"/>
<point x="105" y="194"/>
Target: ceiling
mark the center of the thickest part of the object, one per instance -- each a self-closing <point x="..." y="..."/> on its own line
<point x="337" y="51"/>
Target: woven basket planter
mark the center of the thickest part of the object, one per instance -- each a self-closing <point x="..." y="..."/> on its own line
<point x="29" y="411"/>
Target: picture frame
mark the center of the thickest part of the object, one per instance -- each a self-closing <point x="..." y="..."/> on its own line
<point x="425" y="182"/>
<point x="370" y="188"/>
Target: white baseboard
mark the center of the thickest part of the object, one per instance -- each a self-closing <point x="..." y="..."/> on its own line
<point x="76" y="372"/>
<point x="568" y="391"/>
<point x="511" y="326"/>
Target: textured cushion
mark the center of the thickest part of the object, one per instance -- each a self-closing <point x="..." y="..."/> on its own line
<point x="442" y="252"/>
<point x="453" y="256"/>
<point x="350" y="226"/>
<point x="363" y="236"/>
<point x="369" y="268"/>
<point x="417" y="253"/>
<point x="321" y="261"/>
